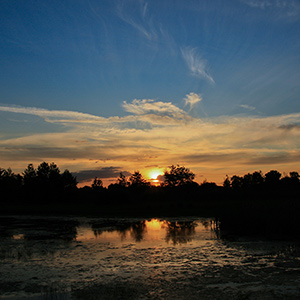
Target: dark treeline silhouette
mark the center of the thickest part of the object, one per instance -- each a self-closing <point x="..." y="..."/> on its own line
<point x="267" y="202"/>
<point x="44" y="183"/>
<point x="256" y="181"/>
<point x="47" y="181"/>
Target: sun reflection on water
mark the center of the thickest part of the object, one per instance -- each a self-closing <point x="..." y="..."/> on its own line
<point x="18" y="236"/>
<point x="155" y="224"/>
<point x="152" y="231"/>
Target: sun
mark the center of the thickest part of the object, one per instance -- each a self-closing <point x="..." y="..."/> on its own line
<point x="153" y="174"/>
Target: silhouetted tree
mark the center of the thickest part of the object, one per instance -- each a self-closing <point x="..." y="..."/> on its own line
<point x="208" y="186"/>
<point x="54" y="173"/>
<point x="272" y="178"/>
<point x="68" y="180"/>
<point x="236" y="182"/>
<point x="249" y="181"/>
<point x="253" y="180"/>
<point x="292" y="182"/>
<point x="120" y="185"/>
<point x="30" y="176"/>
<point x="47" y="176"/>
<point x="9" y="181"/>
<point x="178" y="176"/>
<point x="295" y="176"/>
<point x="136" y="180"/>
<point x="49" y="179"/>
<point x="121" y="181"/>
<point x="257" y="178"/>
<point x="226" y="183"/>
<point x="43" y="171"/>
<point x="97" y="184"/>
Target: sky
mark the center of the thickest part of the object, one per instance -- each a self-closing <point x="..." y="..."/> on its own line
<point x="110" y="86"/>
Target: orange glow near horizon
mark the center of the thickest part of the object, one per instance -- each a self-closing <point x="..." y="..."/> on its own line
<point x="153" y="174"/>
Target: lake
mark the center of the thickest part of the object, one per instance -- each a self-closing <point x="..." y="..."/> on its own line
<point x="65" y="258"/>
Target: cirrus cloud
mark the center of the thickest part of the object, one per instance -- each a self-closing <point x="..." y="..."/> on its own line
<point x="287" y="9"/>
<point x="196" y="64"/>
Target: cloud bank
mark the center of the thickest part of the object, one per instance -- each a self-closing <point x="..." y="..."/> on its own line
<point x="156" y="133"/>
<point x="106" y="172"/>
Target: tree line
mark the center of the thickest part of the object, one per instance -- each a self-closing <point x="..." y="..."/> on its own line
<point x="48" y="177"/>
<point x="257" y="181"/>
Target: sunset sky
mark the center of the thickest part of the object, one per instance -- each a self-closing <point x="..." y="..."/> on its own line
<point x="101" y="87"/>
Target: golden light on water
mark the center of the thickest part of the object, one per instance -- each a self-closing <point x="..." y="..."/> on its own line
<point x="155" y="224"/>
<point x="153" y="232"/>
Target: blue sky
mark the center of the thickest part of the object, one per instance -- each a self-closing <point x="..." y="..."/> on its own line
<point x="214" y="63"/>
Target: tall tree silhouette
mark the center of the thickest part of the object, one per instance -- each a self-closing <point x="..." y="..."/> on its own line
<point x="68" y="180"/>
<point x="30" y="176"/>
<point x="9" y="181"/>
<point x="272" y="178"/>
<point x="178" y="176"/>
<point x="121" y="181"/>
<point x="47" y="178"/>
<point x="97" y="184"/>
<point x="136" y="180"/>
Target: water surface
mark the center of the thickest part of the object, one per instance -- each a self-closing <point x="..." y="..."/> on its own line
<point x="98" y="258"/>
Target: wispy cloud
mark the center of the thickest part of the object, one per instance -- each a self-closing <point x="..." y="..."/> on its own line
<point x="191" y="99"/>
<point x="142" y="22"/>
<point x="248" y="107"/>
<point x="145" y="114"/>
<point x="71" y="118"/>
<point x="53" y="115"/>
<point x="262" y="4"/>
<point x="196" y="64"/>
<point x="284" y="8"/>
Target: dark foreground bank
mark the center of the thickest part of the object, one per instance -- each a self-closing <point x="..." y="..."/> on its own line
<point x="274" y="214"/>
